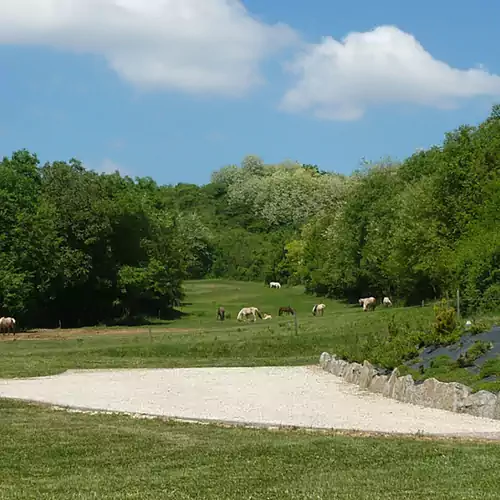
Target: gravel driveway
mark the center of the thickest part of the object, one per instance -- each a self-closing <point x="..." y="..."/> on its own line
<point x="299" y="396"/>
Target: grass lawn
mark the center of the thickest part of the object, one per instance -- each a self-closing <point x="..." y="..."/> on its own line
<point x="51" y="454"/>
<point x="198" y="339"/>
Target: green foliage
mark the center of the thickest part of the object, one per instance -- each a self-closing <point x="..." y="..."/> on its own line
<point x="419" y="229"/>
<point x="197" y="338"/>
<point x="444" y="328"/>
<point x="478" y="349"/>
<point x="405" y="339"/>
<point x="442" y="362"/>
<point x="479" y="326"/>
<point x="491" y="368"/>
<point x="81" y="247"/>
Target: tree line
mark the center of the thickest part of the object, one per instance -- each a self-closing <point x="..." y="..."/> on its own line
<point x="80" y="247"/>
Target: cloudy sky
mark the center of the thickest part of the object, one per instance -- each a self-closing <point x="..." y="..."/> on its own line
<point x="174" y="89"/>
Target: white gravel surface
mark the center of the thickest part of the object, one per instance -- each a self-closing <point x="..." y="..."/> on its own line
<point x="270" y="396"/>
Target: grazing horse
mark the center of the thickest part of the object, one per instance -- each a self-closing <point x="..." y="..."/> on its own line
<point x="318" y="309"/>
<point x="249" y="311"/>
<point x="221" y="313"/>
<point x="287" y="309"/>
<point x="8" y="324"/>
<point x="387" y="302"/>
<point x="368" y="303"/>
<point x="267" y="316"/>
<point x="274" y="284"/>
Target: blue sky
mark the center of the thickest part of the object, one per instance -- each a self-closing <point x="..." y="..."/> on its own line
<point x="174" y="89"/>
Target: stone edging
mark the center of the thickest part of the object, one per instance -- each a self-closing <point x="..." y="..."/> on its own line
<point x="432" y="393"/>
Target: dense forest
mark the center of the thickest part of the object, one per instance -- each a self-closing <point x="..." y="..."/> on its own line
<point x="80" y="247"/>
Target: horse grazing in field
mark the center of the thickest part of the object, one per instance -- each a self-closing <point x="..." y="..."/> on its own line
<point x="387" y="302"/>
<point x="274" y="284"/>
<point x="246" y="312"/>
<point x="287" y="309"/>
<point x="318" y="309"/>
<point x="221" y="313"/>
<point x="267" y="316"/>
<point x="368" y="303"/>
<point x="7" y="324"/>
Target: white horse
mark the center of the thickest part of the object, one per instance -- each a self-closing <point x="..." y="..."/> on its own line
<point x="274" y="284"/>
<point x="318" y="309"/>
<point x="246" y="312"/>
<point x="267" y="316"/>
<point x="368" y="303"/>
<point x="7" y="324"/>
<point x="387" y="302"/>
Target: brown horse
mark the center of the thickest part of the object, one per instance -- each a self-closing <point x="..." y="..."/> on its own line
<point x="286" y="309"/>
<point x="221" y="313"/>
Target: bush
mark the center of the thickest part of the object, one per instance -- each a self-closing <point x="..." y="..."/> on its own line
<point x="444" y="328"/>
<point x="404" y="342"/>
<point x="491" y="298"/>
<point x="476" y="327"/>
<point x="474" y="352"/>
<point x="490" y="368"/>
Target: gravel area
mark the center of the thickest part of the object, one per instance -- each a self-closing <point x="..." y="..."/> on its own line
<point x="270" y="396"/>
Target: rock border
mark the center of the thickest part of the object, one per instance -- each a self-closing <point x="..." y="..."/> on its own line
<point x="431" y="393"/>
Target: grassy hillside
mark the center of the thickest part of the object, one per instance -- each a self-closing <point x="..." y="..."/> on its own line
<point x="198" y="339"/>
<point x="386" y="337"/>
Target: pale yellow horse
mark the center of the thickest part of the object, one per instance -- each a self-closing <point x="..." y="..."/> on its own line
<point x="246" y="312"/>
<point x="7" y="324"/>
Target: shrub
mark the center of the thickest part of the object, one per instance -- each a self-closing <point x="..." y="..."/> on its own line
<point x="491" y="298"/>
<point x="490" y="368"/>
<point x="444" y="328"/>
<point x="474" y="352"/>
<point x="477" y="327"/>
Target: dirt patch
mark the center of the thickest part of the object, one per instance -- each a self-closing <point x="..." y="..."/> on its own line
<point x="78" y="332"/>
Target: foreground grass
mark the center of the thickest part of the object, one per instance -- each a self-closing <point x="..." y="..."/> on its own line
<point x="197" y="339"/>
<point x="49" y="454"/>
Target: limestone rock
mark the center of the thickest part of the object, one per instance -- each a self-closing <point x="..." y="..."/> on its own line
<point x="324" y="359"/>
<point x="481" y="404"/>
<point x="352" y="373"/>
<point x="330" y="364"/>
<point x="403" y="388"/>
<point x="341" y="368"/>
<point x="389" y="386"/>
<point x="378" y="383"/>
<point x="431" y="393"/>
<point x="435" y="394"/>
<point x="366" y="375"/>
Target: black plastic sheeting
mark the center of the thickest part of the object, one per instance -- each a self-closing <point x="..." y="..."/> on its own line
<point x="453" y="351"/>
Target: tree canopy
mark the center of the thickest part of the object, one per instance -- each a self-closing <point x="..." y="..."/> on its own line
<point x="81" y="247"/>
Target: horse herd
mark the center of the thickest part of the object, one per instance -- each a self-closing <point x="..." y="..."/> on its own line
<point x="8" y="324"/>
<point x="253" y="312"/>
<point x="368" y="303"/>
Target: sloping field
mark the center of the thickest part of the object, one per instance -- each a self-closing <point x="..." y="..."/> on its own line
<point x="198" y="339"/>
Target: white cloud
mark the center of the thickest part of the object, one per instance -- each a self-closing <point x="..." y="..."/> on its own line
<point x="340" y="80"/>
<point x="212" y="46"/>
